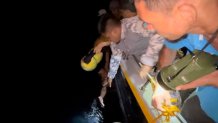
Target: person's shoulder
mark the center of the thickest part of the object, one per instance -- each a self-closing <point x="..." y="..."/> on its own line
<point x="195" y="39"/>
<point x="130" y="19"/>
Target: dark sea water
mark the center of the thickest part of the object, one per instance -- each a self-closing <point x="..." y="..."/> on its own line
<point x="76" y="92"/>
<point x="77" y="103"/>
<point x="57" y="89"/>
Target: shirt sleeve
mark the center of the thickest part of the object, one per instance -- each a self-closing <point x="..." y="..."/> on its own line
<point x="135" y="25"/>
<point x="172" y="46"/>
<point x="151" y="55"/>
<point x="114" y="61"/>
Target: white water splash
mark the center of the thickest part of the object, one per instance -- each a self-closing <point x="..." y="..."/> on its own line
<point x="95" y="114"/>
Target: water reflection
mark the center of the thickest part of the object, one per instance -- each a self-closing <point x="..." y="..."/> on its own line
<point x="94" y="115"/>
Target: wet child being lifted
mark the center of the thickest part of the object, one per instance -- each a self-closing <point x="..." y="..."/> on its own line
<point x="127" y="37"/>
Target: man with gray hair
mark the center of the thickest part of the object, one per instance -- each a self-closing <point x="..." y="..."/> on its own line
<point x="175" y="18"/>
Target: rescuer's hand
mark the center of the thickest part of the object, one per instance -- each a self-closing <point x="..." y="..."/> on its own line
<point x="160" y="97"/>
<point x="144" y="70"/>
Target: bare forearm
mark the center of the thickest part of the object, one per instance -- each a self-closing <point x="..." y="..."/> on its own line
<point x="210" y="79"/>
<point x="166" y="58"/>
<point x="103" y="44"/>
<point x="99" y="47"/>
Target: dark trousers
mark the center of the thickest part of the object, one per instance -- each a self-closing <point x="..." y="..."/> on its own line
<point x="193" y="113"/>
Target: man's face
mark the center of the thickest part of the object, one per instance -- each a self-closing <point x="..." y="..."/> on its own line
<point x="167" y="24"/>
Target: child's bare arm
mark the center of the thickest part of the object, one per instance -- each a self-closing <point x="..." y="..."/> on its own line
<point x="99" y="47"/>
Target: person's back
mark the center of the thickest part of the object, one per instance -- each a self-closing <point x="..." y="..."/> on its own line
<point x="134" y="37"/>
